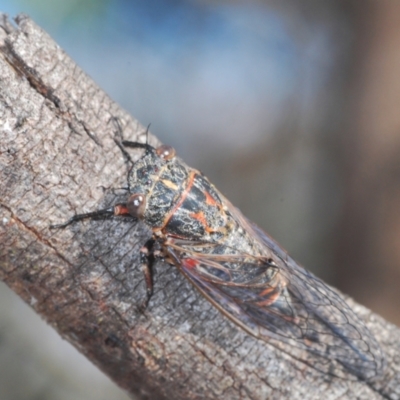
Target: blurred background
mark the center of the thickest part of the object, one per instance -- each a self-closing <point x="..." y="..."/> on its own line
<point x="291" y="107"/>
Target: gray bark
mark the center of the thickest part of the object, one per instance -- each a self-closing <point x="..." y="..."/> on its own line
<point x="57" y="158"/>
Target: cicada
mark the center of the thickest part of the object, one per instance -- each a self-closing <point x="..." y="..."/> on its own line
<point x="237" y="267"/>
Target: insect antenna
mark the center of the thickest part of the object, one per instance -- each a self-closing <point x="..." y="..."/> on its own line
<point x="147" y="133"/>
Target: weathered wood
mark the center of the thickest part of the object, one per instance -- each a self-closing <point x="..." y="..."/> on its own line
<point x="58" y="157"/>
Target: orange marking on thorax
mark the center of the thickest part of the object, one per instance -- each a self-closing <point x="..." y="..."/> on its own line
<point x="181" y="200"/>
<point x="210" y="200"/>
<point x="169" y="184"/>
<point x="199" y="216"/>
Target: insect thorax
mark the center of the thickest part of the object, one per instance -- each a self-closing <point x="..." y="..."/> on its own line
<point x="180" y="201"/>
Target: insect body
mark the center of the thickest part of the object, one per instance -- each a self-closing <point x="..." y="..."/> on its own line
<point x="238" y="267"/>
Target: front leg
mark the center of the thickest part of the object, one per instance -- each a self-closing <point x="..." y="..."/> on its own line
<point x="153" y="250"/>
<point x="118" y="209"/>
<point x="148" y="253"/>
<point x="146" y="263"/>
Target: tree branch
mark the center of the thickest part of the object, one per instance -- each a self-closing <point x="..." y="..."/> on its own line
<point x="58" y="157"/>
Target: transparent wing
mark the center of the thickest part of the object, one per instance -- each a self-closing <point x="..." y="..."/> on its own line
<point x="284" y="302"/>
<point x="338" y="332"/>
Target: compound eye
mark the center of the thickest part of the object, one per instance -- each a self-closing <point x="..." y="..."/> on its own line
<point x="166" y="152"/>
<point x="136" y="205"/>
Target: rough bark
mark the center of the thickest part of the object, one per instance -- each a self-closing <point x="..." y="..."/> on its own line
<point x="58" y="157"/>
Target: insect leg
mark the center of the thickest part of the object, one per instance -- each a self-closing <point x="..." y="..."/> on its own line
<point x="146" y="263"/>
<point x="121" y="143"/>
<point x="118" y="209"/>
<point x="118" y="139"/>
<point x="137" y="145"/>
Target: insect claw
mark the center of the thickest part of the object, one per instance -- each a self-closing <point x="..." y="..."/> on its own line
<point x="144" y="304"/>
<point x="58" y="226"/>
<point x="142" y="308"/>
<point x="61" y="226"/>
